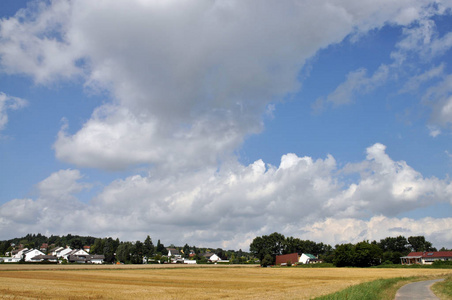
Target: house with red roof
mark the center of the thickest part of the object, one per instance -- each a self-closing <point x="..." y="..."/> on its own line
<point x="293" y="258"/>
<point x="425" y="258"/>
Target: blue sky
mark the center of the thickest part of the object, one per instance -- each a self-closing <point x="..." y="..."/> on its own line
<point x="212" y="122"/>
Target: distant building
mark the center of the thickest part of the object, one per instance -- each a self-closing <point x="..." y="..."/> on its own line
<point x="293" y="258"/>
<point x="426" y="258"/>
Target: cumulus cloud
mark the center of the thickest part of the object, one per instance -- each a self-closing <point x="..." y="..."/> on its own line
<point x="187" y="82"/>
<point x="57" y="207"/>
<point x="9" y="103"/>
<point x="347" y="230"/>
<point x="303" y="197"/>
<point x="182" y="69"/>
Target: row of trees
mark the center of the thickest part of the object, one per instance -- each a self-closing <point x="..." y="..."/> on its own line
<point x="362" y="254"/>
<point x="266" y="247"/>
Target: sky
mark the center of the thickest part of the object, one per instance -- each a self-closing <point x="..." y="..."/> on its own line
<point x="213" y="122"/>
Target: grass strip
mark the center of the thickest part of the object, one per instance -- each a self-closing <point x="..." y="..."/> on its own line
<point x="374" y="290"/>
<point x="443" y="289"/>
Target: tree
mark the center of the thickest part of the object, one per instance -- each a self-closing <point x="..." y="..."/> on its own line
<point x="110" y="247"/>
<point x="267" y="260"/>
<point x="343" y="255"/>
<point x="186" y="251"/>
<point x="419" y="244"/>
<point x="136" y="253"/>
<point x="366" y="255"/>
<point x="148" y="247"/>
<point x="272" y="244"/>
<point x="394" y="244"/>
<point x="76" y="243"/>
<point x="123" y="252"/>
<point x="161" y="249"/>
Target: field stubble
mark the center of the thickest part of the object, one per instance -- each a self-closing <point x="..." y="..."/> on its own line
<point x="152" y="282"/>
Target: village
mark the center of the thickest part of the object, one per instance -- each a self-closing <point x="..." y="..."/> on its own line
<point x="67" y="255"/>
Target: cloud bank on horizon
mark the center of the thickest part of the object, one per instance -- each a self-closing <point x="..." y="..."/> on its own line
<point x="183" y="87"/>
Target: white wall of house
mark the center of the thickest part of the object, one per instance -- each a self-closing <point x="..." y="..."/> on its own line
<point x="189" y="262"/>
<point x="80" y="252"/>
<point x="32" y="253"/>
<point x="64" y="253"/>
<point x="97" y="261"/>
<point x="20" y="253"/>
<point x="214" y="258"/>
<point x="304" y="259"/>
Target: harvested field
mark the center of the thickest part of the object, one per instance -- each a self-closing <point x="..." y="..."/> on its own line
<point x="181" y="282"/>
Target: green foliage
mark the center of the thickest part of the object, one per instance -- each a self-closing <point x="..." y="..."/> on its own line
<point x="123" y="252"/>
<point x="161" y="248"/>
<point x="419" y="244"/>
<point x="148" y="250"/>
<point x="395" y="244"/>
<point x="186" y="251"/>
<point x="276" y="244"/>
<point x="441" y="263"/>
<point x="315" y="266"/>
<point x="343" y="255"/>
<point x="267" y="260"/>
<point x="366" y="255"/>
<point x="363" y="254"/>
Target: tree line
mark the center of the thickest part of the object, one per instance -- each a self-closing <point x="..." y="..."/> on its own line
<point x="263" y="248"/>
<point x="362" y="254"/>
<point x="126" y="252"/>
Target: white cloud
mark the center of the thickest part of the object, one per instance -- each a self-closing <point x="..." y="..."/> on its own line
<point x="434" y="130"/>
<point x="337" y="231"/>
<point x="301" y="197"/>
<point x="56" y="209"/>
<point x="9" y="103"/>
<point x="182" y="69"/>
<point x="188" y="82"/>
<point x="358" y="83"/>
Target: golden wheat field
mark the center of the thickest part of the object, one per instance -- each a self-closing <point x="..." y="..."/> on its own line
<point x="181" y="282"/>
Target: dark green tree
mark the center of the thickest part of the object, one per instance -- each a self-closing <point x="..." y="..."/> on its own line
<point x="366" y="255"/>
<point x="419" y="244"/>
<point x="123" y="252"/>
<point x="161" y="248"/>
<point x="272" y="244"/>
<point x="394" y="244"/>
<point x="343" y="255"/>
<point x="148" y="247"/>
<point x="186" y="251"/>
<point x="267" y="260"/>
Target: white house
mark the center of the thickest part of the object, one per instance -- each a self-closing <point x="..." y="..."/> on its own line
<point x="307" y="258"/>
<point x="47" y="258"/>
<point x="20" y="253"/>
<point x="63" y="253"/>
<point x="173" y="252"/>
<point x="56" y="251"/>
<point x="29" y="254"/>
<point x="212" y="257"/>
<point x="97" y="259"/>
<point x="426" y="258"/>
<point x="189" y="262"/>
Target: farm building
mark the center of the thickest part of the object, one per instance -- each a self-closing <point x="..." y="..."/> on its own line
<point x="286" y="259"/>
<point x="304" y="258"/>
<point x="425" y="258"/>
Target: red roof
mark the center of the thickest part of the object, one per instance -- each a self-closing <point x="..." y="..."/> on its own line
<point x="282" y="259"/>
<point x="427" y="254"/>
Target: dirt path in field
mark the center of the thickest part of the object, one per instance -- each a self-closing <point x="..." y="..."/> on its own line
<point x="417" y="290"/>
